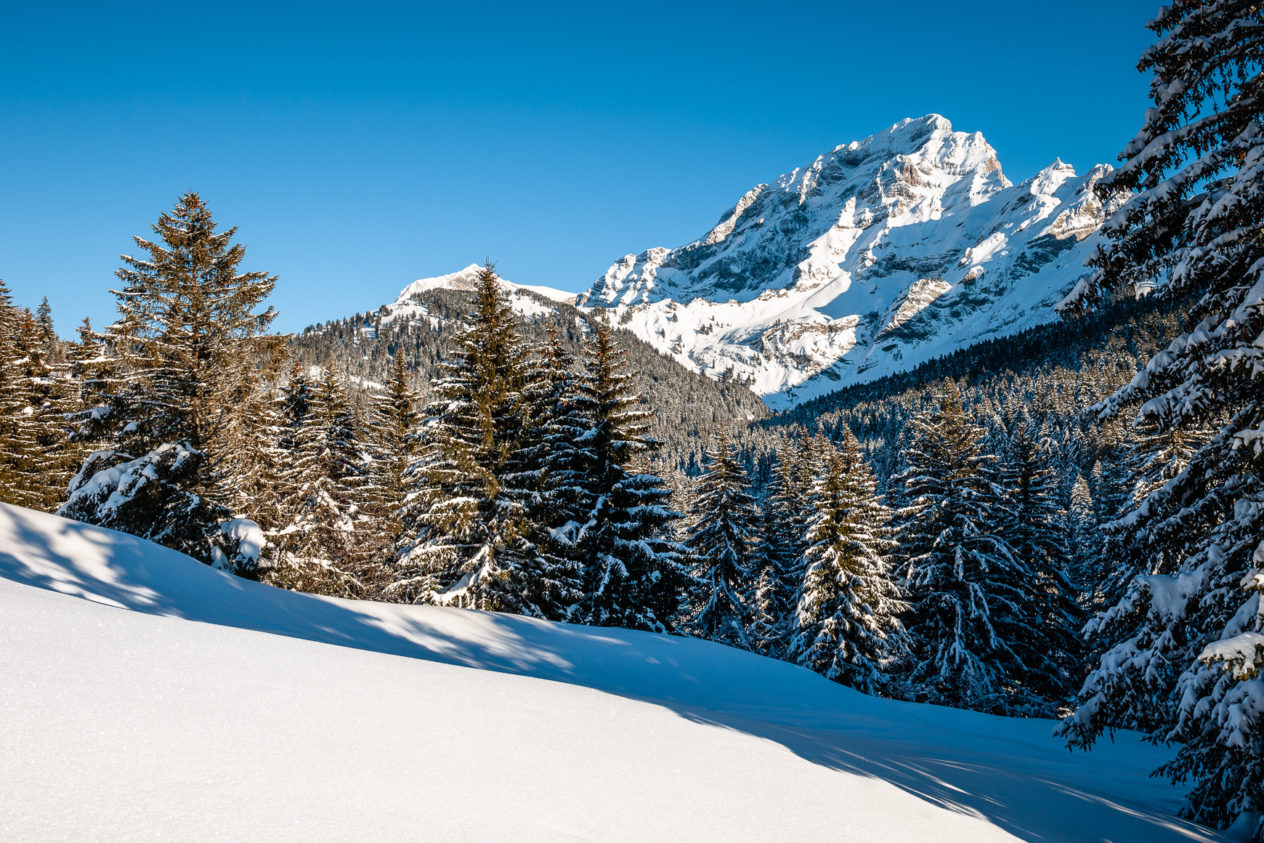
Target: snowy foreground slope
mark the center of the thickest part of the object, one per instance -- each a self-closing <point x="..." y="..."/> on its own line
<point x="172" y="700"/>
<point x="877" y="256"/>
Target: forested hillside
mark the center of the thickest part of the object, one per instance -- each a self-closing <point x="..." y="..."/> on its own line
<point x="688" y="408"/>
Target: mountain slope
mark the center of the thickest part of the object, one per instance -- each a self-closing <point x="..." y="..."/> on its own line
<point x="423" y="322"/>
<point x="172" y="700"/>
<point x="879" y="255"/>
<point x="526" y="299"/>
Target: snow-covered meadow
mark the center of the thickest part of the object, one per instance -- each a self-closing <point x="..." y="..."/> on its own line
<point x="147" y="695"/>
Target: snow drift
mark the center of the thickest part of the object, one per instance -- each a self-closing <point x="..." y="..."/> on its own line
<point x="173" y="700"/>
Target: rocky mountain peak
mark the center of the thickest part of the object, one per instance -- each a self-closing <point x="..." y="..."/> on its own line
<point x="877" y="255"/>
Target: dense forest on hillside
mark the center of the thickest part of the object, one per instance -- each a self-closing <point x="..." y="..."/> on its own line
<point x="688" y="408"/>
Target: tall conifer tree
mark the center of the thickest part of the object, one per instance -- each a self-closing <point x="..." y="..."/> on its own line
<point x="631" y="566"/>
<point x="189" y="328"/>
<point x="846" y="623"/>
<point x="318" y="546"/>
<point x="1035" y="526"/>
<point x="973" y="619"/>
<point x="468" y="542"/>
<point x="721" y="543"/>
<point x="1183" y="656"/>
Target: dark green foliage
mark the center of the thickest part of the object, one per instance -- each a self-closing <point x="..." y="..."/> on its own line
<point x="1181" y="657"/>
<point x="469" y="542"/>
<point x="845" y="625"/>
<point x="319" y="546"/>
<point x="392" y="441"/>
<point x="1035" y="526"/>
<point x="975" y="609"/>
<point x="778" y="563"/>
<point x="188" y="332"/>
<point x="721" y="542"/>
<point x="631" y="569"/>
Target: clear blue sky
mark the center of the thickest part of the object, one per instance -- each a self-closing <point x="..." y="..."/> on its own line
<point x="361" y="145"/>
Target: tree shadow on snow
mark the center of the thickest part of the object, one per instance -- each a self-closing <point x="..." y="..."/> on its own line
<point x="1010" y="772"/>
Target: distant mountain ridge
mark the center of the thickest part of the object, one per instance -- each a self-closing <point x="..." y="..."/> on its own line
<point x="424" y="322"/>
<point x="879" y="255"/>
<point x="525" y="299"/>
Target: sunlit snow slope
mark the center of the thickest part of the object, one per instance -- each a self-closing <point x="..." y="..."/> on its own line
<point x="879" y="255"/>
<point x="526" y="299"/>
<point x="143" y="695"/>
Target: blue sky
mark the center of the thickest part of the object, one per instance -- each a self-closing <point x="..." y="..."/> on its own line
<point x="360" y="146"/>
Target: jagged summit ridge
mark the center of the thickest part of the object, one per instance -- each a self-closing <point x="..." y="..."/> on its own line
<point x="878" y="255"/>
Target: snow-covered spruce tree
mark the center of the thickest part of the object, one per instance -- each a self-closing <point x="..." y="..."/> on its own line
<point x="317" y="548"/>
<point x="845" y="624"/>
<point x="392" y="441"/>
<point x="1144" y="464"/>
<point x="1183" y="657"/>
<point x="466" y="541"/>
<point x="12" y="406"/>
<point x="280" y="420"/>
<point x="553" y="462"/>
<point x="95" y="376"/>
<point x="29" y="375"/>
<point x="253" y="465"/>
<point x="50" y="345"/>
<point x="721" y="543"/>
<point x="631" y="565"/>
<point x="188" y="329"/>
<point x="778" y="558"/>
<point x="1035" y="526"/>
<point x="46" y="392"/>
<point x="974" y="619"/>
<point x="1084" y="540"/>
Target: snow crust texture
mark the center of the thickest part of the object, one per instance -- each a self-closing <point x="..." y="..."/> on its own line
<point x="877" y="256"/>
<point x="172" y="700"/>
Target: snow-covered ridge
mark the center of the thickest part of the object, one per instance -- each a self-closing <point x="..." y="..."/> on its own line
<point x="138" y="684"/>
<point x="879" y="255"/>
<point x="523" y="298"/>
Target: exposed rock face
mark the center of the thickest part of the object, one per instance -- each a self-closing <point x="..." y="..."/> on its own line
<point x="877" y="256"/>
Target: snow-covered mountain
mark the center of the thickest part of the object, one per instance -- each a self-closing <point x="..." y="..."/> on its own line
<point x="145" y="695"/>
<point x="877" y="256"/>
<point x="527" y="299"/>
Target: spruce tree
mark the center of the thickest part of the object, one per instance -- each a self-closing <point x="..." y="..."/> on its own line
<point x="1085" y="542"/>
<point x="46" y="393"/>
<point x="553" y="463"/>
<point x="317" y="547"/>
<point x="721" y="543"/>
<point x="630" y="564"/>
<point x="392" y="432"/>
<point x="94" y="373"/>
<point x="779" y="559"/>
<point x="1035" y="526"/>
<point x="467" y="542"/>
<point x="973" y="618"/>
<point x="845" y="625"/>
<point x="50" y="345"/>
<point x="1182" y="659"/>
<point x="12" y="406"/>
<point x="188" y="329"/>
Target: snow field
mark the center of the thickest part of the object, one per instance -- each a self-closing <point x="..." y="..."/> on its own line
<point x="173" y="700"/>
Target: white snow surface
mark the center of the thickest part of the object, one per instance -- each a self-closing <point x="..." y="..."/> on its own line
<point x="144" y="695"/>
<point x="530" y="300"/>
<point x="877" y="256"/>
